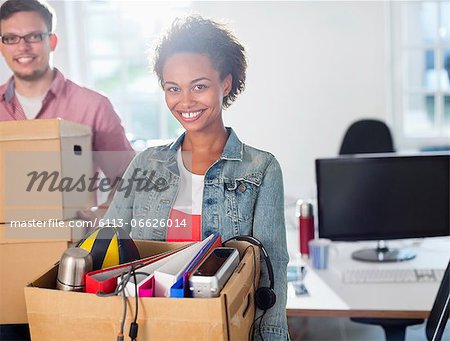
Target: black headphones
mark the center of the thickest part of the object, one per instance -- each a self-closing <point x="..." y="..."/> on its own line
<point x="265" y="297"/>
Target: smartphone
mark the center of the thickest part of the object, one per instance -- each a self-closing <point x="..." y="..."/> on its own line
<point x="212" y="274"/>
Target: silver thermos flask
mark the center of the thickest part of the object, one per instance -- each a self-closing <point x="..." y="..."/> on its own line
<point x="75" y="263"/>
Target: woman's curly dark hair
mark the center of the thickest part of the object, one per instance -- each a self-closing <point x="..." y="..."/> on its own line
<point x="198" y="35"/>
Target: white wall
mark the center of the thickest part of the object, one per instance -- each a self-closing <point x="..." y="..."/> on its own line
<point x="314" y="67"/>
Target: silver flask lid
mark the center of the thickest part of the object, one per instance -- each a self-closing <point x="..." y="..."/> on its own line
<point x="75" y="263"/>
<point x="306" y="209"/>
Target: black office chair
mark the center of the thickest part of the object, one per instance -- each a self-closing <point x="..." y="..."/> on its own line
<point x="441" y="308"/>
<point x="374" y="136"/>
<point x="367" y="136"/>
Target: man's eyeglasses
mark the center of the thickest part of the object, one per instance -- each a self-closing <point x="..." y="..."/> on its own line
<point x="35" y="37"/>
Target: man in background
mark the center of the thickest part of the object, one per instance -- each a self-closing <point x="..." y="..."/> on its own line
<point x="37" y="90"/>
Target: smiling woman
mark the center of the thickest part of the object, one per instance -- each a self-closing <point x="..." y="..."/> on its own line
<point x="194" y="93"/>
<point x="216" y="182"/>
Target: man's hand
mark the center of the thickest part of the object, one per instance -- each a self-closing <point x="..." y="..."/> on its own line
<point x="92" y="214"/>
<point x="97" y="212"/>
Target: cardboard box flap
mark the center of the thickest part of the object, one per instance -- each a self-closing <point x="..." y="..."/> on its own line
<point x="239" y="291"/>
<point x="149" y="248"/>
<point x="241" y="283"/>
<point x="47" y="280"/>
<point x="44" y="129"/>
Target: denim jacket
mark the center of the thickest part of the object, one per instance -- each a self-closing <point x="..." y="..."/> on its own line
<point x="243" y="195"/>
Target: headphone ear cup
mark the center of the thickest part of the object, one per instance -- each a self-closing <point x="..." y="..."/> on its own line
<point x="265" y="298"/>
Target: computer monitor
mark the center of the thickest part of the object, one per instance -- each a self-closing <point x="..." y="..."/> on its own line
<point x="381" y="197"/>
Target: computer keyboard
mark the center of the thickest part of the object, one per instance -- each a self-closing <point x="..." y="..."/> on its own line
<point x="356" y="276"/>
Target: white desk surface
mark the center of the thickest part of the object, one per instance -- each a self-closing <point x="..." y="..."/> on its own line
<point x="330" y="296"/>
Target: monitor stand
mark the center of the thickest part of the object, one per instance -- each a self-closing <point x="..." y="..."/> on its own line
<point x="383" y="254"/>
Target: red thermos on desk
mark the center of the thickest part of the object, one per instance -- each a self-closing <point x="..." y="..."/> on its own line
<point x="306" y="222"/>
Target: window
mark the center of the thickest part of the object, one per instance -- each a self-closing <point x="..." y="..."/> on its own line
<point x="421" y="71"/>
<point x="113" y="43"/>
